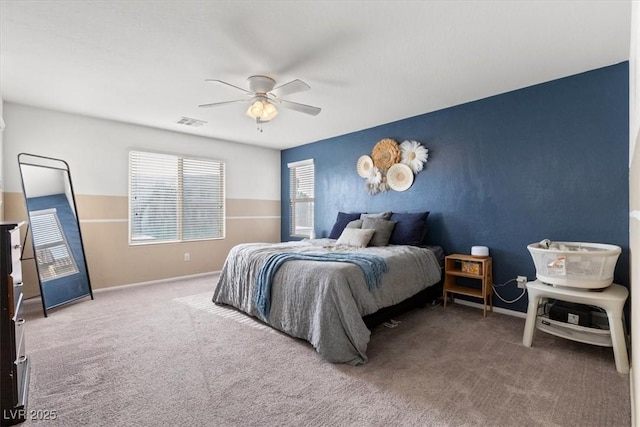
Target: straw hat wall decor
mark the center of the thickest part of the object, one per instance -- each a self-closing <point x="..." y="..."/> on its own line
<point x="391" y="165"/>
<point x="385" y="154"/>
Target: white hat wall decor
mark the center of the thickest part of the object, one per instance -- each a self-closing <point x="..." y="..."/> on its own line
<point x="391" y="165"/>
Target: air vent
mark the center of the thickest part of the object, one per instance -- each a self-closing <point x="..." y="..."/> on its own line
<point x="194" y="123"/>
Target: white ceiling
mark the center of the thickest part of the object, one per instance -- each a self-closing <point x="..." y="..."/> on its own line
<point x="367" y="62"/>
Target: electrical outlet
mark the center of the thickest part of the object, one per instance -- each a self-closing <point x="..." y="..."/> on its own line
<point x="522" y="281"/>
<point x="187" y="256"/>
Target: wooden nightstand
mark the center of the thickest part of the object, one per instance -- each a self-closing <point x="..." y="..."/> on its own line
<point x="469" y="267"/>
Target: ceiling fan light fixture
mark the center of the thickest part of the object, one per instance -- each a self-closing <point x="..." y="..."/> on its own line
<point x="264" y="95"/>
<point x="270" y="110"/>
<point x="262" y="110"/>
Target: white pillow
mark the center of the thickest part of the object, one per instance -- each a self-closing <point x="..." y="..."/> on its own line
<point x="355" y="237"/>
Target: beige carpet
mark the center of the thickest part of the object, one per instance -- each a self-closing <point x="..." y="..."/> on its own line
<point x="163" y="354"/>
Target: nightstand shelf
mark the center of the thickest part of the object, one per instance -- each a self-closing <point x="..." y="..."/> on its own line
<point x="469" y="267"/>
<point x="611" y="299"/>
<point x="584" y="334"/>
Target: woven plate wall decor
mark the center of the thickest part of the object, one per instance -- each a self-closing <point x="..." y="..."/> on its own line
<point x="400" y="177"/>
<point x="364" y="166"/>
<point x="385" y="154"/>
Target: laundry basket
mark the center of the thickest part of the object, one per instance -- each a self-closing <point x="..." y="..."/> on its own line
<point x="575" y="264"/>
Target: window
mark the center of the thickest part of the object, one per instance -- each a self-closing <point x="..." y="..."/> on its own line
<point x="51" y="248"/>
<point x="173" y="198"/>
<point x="301" y="191"/>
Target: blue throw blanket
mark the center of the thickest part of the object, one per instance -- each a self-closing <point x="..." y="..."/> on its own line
<point x="373" y="267"/>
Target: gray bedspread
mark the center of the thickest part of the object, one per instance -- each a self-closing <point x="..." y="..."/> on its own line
<point x="323" y="302"/>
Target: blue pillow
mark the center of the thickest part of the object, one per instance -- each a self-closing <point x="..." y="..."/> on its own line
<point x="341" y="222"/>
<point x="410" y="229"/>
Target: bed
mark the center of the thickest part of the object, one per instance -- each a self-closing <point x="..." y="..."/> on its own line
<point x="314" y="290"/>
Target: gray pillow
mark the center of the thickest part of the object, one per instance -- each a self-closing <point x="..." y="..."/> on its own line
<point x="383" y="215"/>
<point x="355" y="237"/>
<point x="383" y="229"/>
<point x="356" y="223"/>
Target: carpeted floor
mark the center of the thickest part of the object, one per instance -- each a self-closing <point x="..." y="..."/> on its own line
<point x="163" y="354"/>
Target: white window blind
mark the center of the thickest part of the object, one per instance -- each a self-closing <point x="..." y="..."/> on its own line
<point x="52" y="251"/>
<point x="301" y="196"/>
<point x="173" y="198"/>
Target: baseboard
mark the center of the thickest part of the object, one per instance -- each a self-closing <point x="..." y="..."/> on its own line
<point x="632" y="397"/>
<point x="36" y="299"/>
<point x="156" y="282"/>
<point x="496" y="309"/>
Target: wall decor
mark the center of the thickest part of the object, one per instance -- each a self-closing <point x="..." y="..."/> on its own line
<point x="385" y="154"/>
<point x="391" y="165"/>
<point x="364" y="166"/>
<point x="414" y="155"/>
<point x="400" y="177"/>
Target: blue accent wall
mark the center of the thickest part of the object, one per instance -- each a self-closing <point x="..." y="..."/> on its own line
<point x="547" y="161"/>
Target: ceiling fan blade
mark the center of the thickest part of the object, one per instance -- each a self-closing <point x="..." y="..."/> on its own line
<point x="302" y="108"/>
<point x="215" y="104"/>
<point x="293" y="86"/>
<point x="229" y="84"/>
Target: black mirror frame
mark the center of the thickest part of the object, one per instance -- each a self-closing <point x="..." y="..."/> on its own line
<point x="64" y="168"/>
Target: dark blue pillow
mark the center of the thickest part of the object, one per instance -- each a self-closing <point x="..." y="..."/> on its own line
<point x="341" y="222"/>
<point x="410" y="229"/>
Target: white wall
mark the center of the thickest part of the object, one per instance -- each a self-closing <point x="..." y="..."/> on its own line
<point x="97" y="152"/>
<point x="42" y="181"/>
<point x="634" y="206"/>
<point x="634" y="84"/>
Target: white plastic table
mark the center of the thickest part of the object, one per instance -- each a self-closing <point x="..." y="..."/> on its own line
<point x="611" y="299"/>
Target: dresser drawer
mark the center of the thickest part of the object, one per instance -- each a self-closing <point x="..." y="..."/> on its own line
<point x="16" y="291"/>
<point x="16" y="301"/>
<point x="18" y="325"/>
<point x="16" y="254"/>
<point x="15" y="271"/>
<point x="21" y="369"/>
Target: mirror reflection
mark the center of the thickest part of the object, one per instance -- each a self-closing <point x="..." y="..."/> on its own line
<point x="55" y="230"/>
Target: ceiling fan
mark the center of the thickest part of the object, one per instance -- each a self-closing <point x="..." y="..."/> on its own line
<point x="263" y="97"/>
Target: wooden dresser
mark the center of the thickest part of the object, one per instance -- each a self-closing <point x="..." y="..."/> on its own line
<point x="14" y="363"/>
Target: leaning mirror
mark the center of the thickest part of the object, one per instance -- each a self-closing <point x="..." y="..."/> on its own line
<point x="58" y="251"/>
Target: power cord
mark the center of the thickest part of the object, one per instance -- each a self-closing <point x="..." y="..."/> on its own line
<point x="391" y="323"/>
<point x="495" y="291"/>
